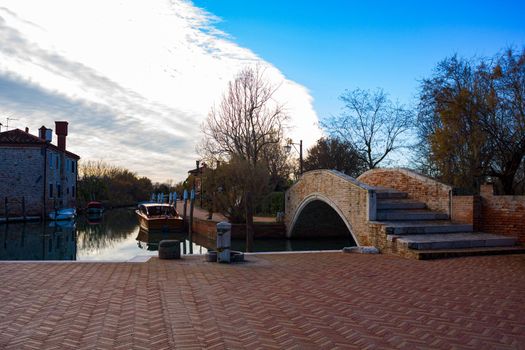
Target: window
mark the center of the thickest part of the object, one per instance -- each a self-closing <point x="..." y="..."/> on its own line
<point x="73" y="166"/>
<point x="59" y="191"/>
<point x="68" y="165"/>
<point x="50" y="190"/>
<point x="67" y="190"/>
<point x="73" y="191"/>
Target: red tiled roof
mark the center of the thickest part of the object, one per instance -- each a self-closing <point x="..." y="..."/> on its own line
<point x="201" y="170"/>
<point x="18" y="136"/>
<point x="21" y="138"/>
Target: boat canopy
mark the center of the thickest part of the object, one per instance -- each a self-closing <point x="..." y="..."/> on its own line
<point x="155" y="209"/>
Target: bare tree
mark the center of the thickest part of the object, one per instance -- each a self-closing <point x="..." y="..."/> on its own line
<point x="372" y="123"/>
<point x="247" y="121"/>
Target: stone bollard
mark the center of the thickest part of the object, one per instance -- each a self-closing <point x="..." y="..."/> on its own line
<point x="169" y="249"/>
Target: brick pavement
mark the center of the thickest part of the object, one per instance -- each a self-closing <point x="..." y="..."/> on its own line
<point x="292" y="301"/>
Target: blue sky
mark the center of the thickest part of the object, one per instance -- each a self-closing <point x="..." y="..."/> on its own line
<point x="136" y="79"/>
<point x="329" y="46"/>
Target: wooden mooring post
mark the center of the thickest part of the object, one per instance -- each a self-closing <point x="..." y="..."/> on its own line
<point x="190" y="223"/>
<point x="185" y="197"/>
<point x="24" y="208"/>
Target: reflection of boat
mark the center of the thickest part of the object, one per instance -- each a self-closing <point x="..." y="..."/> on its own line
<point x="67" y="224"/>
<point x="159" y="217"/>
<point x="63" y="214"/>
<point x="94" y="208"/>
<point x="152" y="238"/>
<point x="94" y="219"/>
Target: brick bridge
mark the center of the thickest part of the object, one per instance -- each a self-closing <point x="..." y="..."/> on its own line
<point x="396" y="210"/>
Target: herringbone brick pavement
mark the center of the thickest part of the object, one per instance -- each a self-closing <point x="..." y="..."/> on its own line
<point x="286" y="301"/>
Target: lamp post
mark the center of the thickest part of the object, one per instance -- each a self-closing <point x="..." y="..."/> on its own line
<point x="288" y="148"/>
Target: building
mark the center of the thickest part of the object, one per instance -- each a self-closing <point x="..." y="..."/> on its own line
<point x="36" y="176"/>
<point x="197" y="174"/>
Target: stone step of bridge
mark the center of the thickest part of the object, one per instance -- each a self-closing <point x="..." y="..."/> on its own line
<point x="383" y="204"/>
<point x="455" y="241"/>
<point x="407" y="215"/>
<point x="424" y="227"/>
<point x="390" y="194"/>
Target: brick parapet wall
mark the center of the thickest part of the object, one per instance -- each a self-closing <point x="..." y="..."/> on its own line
<point x="434" y="194"/>
<point x="466" y="210"/>
<point x="502" y="214"/>
<point x="492" y="214"/>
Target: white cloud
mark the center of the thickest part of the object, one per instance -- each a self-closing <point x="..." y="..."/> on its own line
<point x="135" y="79"/>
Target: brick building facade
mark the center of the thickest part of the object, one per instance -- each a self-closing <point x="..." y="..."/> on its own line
<point x="36" y="175"/>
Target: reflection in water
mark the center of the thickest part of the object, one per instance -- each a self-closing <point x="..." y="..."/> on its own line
<point x="150" y="241"/>
<point x="38" y="241"/>
<point x="116" y="236"/>
<point x="95" y="233"/>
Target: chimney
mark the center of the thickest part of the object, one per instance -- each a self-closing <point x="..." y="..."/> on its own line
<point x="45" y="134"/>
<point x="42" y="132"/>
<point x="61" y="131"/>
<point x="27" y="130"/>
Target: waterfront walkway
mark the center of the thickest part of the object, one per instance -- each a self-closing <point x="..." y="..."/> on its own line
<point x="290" y="301"/>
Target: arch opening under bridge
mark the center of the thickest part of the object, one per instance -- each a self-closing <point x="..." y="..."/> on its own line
<point x="317" y="216"/>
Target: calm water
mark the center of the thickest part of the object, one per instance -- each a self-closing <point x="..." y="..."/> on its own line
<point x="116" y="236"/>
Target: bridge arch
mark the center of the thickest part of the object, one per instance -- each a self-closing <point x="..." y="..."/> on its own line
<point x="311" y="199"/>
<point x="350" y="200"/>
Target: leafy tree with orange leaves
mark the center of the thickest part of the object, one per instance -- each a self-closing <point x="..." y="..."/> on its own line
<point x="472" y="121"/>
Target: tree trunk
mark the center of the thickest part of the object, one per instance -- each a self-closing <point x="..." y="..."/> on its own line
<point x="507" y="182"/>
<point x="249" y="222"/>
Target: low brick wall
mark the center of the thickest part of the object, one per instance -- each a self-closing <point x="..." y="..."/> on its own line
<point x="262" y="230"/>
<point x="208" y="229"/>
<point x="502" y="214"/>
<point x="205" y="228"/>
<point x="435" y="194"/>
<point x="466" y="210"/>
<point x="492" y="214"/>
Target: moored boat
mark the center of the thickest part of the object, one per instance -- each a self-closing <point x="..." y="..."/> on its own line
<point x="63" y="214"/>
<point x="159" y="217"/>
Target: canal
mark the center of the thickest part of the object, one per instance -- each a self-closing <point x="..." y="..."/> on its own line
<point x="116" y="236"/>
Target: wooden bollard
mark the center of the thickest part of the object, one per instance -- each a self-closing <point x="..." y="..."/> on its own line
<point x="169" y="249"/>
<point x="6" y="210"/>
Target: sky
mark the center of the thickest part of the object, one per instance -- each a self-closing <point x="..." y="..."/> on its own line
<point x="136" y="79"/>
